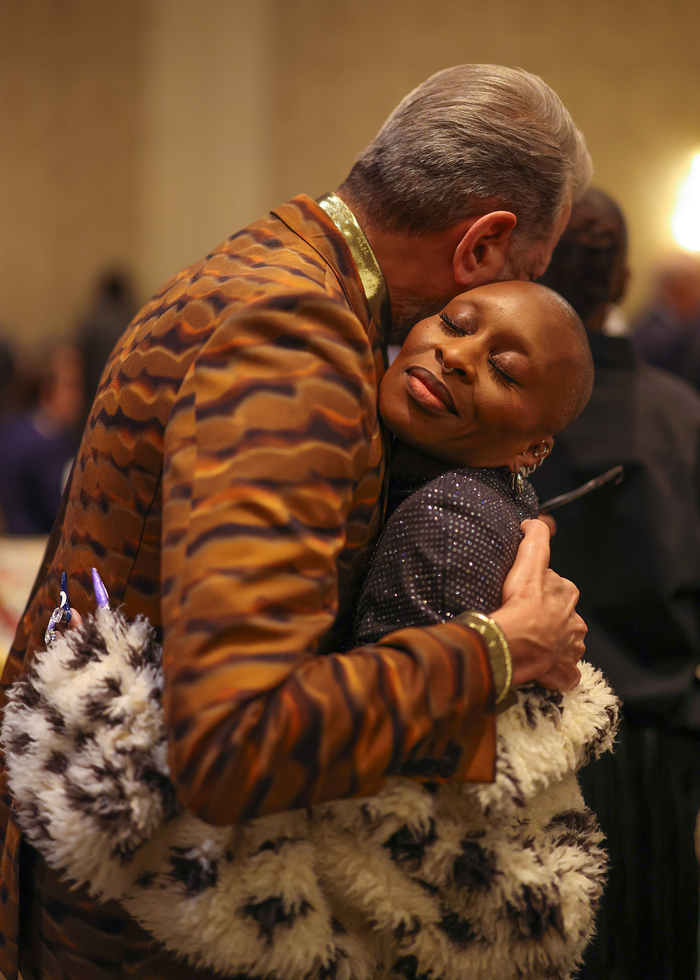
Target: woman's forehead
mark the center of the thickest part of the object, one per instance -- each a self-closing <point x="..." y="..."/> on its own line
<point x="529" y="313"/>
<point x="512" y="293"/>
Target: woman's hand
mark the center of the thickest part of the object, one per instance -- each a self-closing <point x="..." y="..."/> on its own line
<point x="538" y="616"/>
<point x="64" y="617"/>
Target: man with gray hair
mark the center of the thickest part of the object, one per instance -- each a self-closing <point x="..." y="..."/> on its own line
<point x="477" y="157"/>
<point x="229" y="488"/>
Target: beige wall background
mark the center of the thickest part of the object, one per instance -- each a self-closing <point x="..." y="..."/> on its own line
<point x="139" y="133"/>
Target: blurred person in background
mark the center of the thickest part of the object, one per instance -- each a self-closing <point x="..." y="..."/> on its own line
<point x="112" y="308"/>
<point x="39" y="442"/>
<point x="634" y="552"/>
<point x="667" y="334"/>
<point x="7" y="373"/>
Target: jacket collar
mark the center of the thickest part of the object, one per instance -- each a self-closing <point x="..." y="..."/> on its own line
<point x="372" y="277"/>
<point x="340" y="242"/>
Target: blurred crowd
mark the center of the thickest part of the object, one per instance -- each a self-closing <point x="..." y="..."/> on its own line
<point x="44" y="402"/>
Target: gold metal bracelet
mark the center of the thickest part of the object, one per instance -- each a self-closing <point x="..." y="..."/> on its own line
<point x="496" y="647"/>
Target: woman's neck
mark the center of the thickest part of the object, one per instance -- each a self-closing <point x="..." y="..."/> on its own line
<point x="409" y="462"/>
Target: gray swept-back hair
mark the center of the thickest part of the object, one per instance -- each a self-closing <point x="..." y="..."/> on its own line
<point x="469" y="140"/>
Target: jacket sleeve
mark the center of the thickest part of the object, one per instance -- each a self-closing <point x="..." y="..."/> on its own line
<point x="269" y="438"/>
<point x="456" y="539"/>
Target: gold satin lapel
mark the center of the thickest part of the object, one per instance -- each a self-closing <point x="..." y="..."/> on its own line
<point x="371" y="276"/>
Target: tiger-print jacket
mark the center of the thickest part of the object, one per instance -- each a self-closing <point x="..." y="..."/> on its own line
<point x="228" y="487"/>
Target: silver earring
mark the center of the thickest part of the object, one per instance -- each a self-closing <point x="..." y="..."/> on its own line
<point x="541" y="455"/>
<point x="517" y="481"/>
<point x="537" y="453"/>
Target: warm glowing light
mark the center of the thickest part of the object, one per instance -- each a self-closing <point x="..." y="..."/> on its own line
<point x="685" y="223"/>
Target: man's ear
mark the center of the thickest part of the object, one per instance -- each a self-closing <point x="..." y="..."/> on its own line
<point x="534" y="454"/>
<point x="482" y="249"/>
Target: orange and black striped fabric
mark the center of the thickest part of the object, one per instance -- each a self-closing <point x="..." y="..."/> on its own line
<point x="228" y="487"/>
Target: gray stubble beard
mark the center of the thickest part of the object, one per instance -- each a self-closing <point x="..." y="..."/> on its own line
<point x="413" y="310"/>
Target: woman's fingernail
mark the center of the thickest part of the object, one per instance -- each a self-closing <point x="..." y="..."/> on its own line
<point x="100" y="591"/>
<point x="63" y="603"/>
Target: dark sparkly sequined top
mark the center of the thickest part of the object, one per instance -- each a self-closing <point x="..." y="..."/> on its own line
<point x="446" y="549"/>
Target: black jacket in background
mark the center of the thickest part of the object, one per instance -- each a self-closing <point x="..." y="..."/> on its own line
<point x="634" y="549"/>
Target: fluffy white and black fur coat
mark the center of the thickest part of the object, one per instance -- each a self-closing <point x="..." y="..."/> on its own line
<point x="487" y="881"/>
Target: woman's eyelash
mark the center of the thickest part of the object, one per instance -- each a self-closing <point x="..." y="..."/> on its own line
<point x="500" y="375"/>
<point x="451" y="325"/>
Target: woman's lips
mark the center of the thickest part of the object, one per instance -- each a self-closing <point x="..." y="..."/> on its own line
<point x="427" y="389"/>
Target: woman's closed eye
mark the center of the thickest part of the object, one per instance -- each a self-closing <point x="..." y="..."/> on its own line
<point x="501" y="376"/>
<point x="449" y="326"/>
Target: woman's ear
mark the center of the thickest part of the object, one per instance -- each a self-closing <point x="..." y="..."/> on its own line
<point x="483" y="248"/>
<point x="531" y="457"/>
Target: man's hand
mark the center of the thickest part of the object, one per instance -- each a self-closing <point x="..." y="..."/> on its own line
<point x="539" y="618"/>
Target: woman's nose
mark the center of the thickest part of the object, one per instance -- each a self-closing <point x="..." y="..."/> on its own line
<point x="451" y="359"/>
